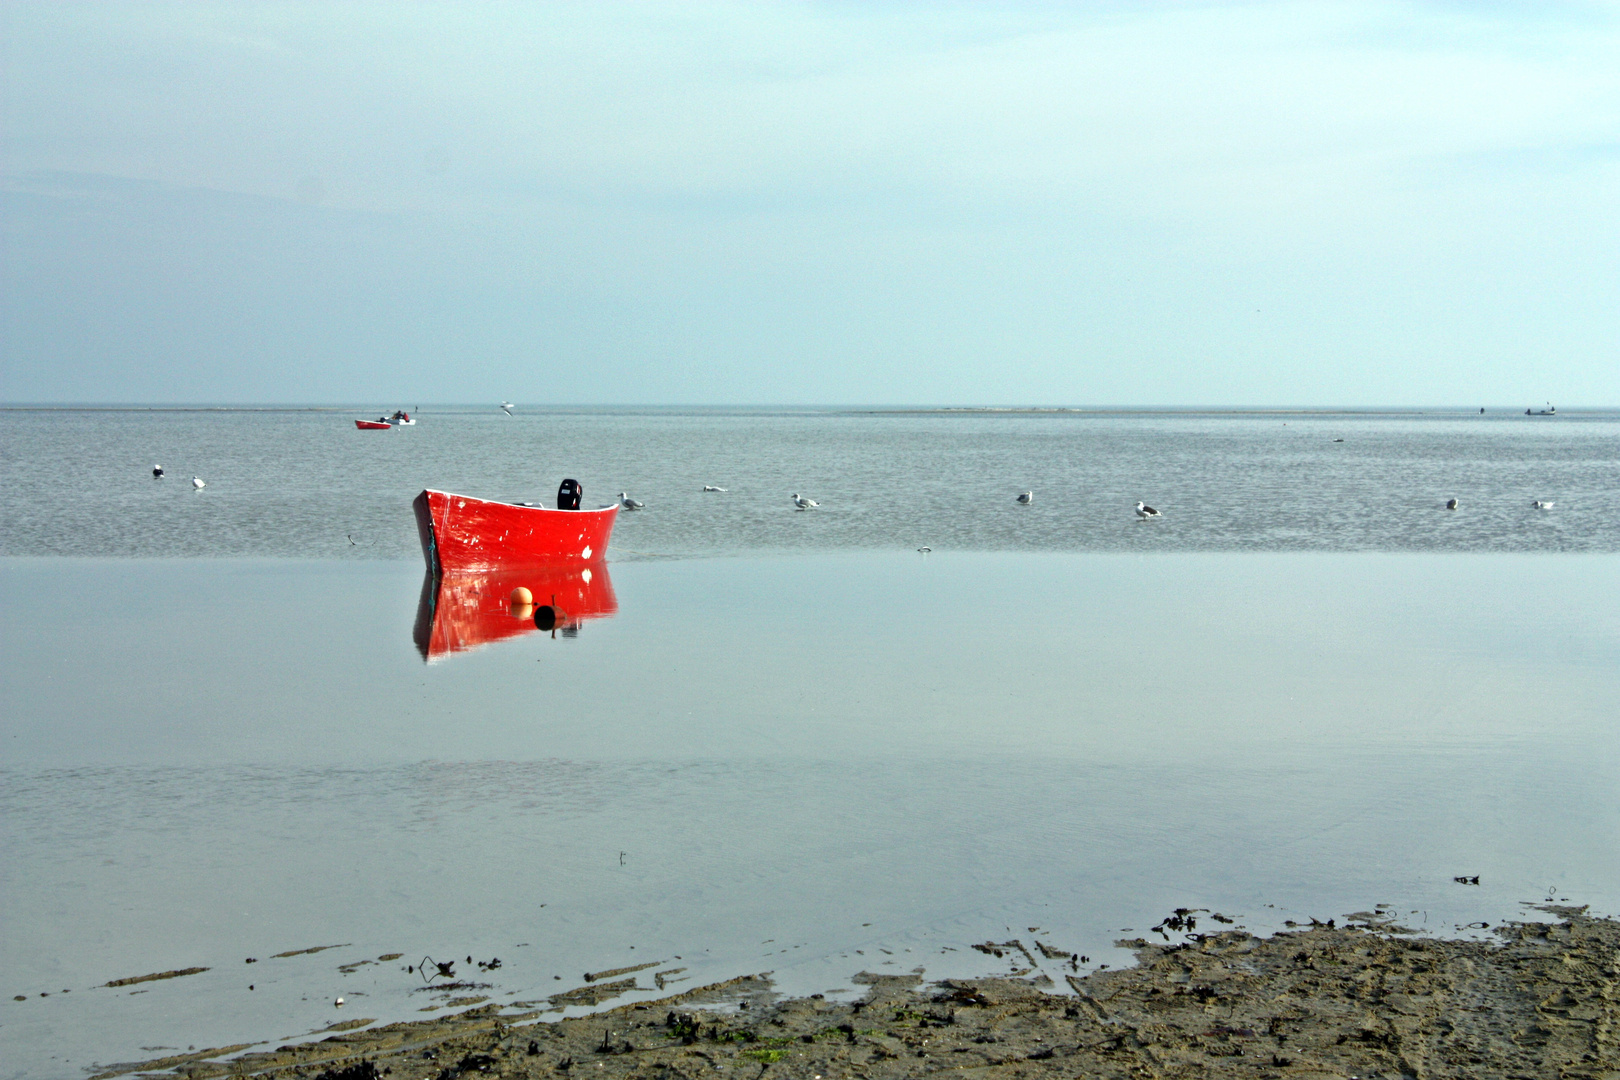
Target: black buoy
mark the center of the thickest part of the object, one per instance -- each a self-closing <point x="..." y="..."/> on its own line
<point x="545" y="617"/>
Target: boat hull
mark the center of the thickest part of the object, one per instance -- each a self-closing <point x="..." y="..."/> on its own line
<point x="371" y="425"/>
<point x="459" y="532"/>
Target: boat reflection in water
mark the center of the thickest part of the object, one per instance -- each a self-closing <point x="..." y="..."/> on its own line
<point x="461" y="610"/>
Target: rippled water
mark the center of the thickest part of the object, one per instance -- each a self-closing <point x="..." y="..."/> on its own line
<point x="1307" y="690"/>
<point x="308" y="484"/>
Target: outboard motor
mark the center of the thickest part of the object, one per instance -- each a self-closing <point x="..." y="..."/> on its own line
<point x="569" y="494"/>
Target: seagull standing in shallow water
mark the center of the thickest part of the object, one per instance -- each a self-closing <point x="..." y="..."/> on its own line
<point x="1145" y="511"/>
<point x="1026" y="498"/>
<point x="628" y="503"/>
<point x="803" y="503"/>
<point x="196" y="482"/>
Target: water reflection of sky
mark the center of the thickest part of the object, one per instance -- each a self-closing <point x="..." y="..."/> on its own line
<point x="211" y="760"/>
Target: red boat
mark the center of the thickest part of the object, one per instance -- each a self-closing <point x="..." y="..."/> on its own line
<point x="462" y="610"/>
<point x="461" y="533"/>
<point x="373" y="425"/>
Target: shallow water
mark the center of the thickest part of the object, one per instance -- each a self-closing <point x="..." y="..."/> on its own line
<point x="808" y="764"/>
<point x="307" y="484"/>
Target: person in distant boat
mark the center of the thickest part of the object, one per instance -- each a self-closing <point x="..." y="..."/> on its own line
<point x="569" y="494"/>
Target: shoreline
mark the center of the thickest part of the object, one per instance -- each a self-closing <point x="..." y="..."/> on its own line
<point x="1369" y="998"/>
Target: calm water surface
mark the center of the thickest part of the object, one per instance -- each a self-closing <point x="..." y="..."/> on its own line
<point x="1306" y="692"/>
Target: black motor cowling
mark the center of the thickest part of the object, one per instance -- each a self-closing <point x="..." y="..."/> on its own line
<point x="569" y="494"/>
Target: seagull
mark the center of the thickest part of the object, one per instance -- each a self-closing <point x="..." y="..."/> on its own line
<point x="803" y="503"/>
<point x="1144" y="511"/>
<point x="628" y="503"/>
<point x="1539" y="505"/>
<point x="1026" y="498"/>
<point x="924" y="550"/>
<point x="157" y="472"/>
<point x="711" y="487"/>
<point x="1451" y="504"/>
<point x="506" y="407"/>
<point x="196" y="482"/>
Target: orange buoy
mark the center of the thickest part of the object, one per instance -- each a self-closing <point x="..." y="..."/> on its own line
<point x="520" y="595"/>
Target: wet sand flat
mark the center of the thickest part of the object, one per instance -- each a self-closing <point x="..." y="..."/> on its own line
<point x="1367" y="999"/>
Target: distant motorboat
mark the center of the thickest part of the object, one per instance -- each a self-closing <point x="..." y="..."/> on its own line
<point x="1548" y="411"/>
<point x="401" y="418"/>
<point x="379" y="424"/>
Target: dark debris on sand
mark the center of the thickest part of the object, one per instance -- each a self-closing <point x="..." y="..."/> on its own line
<point x="1364" y="1000"/>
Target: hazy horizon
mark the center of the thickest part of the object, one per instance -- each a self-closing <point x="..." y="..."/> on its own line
<point x="807" y="406"/>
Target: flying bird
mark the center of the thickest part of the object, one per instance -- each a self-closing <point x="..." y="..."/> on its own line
<point x="628" y="503"/>
<point x="803" y="503"/>
<point x="1145" y="511"/>
<point x="196" y="482"/>
<point x="711" y="487"/>
<point x="506" y="407"/>
<point x="157" y="472"/>
<point x="1026" y="498"/>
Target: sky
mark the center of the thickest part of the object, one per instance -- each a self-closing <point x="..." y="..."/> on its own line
<point x="1109" y="203"/>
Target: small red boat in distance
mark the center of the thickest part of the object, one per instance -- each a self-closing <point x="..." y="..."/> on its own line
<point x="461" y="533"/>
<point x="373" y="425"/>
<point x="463" y="610"/>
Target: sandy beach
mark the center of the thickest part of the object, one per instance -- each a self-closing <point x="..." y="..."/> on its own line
<point x="1365" y="999"/>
